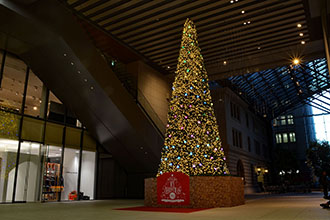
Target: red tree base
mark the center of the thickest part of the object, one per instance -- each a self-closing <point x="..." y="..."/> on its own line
<point x="205" y="192"/>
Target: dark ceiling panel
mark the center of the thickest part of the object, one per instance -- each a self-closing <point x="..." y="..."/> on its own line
<point x="153" y="28"/>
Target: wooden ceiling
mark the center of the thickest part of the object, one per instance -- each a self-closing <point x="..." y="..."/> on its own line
<point x="267" y="30"/>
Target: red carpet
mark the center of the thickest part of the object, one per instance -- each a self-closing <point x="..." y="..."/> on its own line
<point x="154" y="209"/>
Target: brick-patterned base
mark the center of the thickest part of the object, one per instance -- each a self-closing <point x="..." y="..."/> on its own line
<point x="205" y="192"/>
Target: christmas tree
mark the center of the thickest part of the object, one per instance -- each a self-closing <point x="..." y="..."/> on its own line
<point x="192" y="141"/>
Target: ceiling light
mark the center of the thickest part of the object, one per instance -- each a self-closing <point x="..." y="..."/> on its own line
<point x="64" y="54"/>
<point x="259" y="48"/>
<point x="299" y="25"/>
<point x="78" y="71"/>
<point x="236" y="0"/>
<point x="224" y="62"/>
<point x="232" y="1"/>
<point x="40" y="101"/>
<point x="242" y="11"/>
<point x="168" y="67"/>
<point x="72" y="63"/>
<point x="92" y="87"/>
<point x="35" y="108"/>
<point x="301" y="34"/>
<point x="244" y="23"/>
<point x="302" y="42"/>
<point x="249" y="22"/>
<point x="85" y="80"/>
<point x="295" y="61"/>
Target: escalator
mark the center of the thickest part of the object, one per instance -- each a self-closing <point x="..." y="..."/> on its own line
<point x="46" y="36"/>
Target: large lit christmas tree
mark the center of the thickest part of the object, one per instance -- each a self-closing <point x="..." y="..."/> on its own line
<point x="192" y="141"/>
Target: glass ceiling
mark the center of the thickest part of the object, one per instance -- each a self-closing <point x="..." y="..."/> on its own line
<point x="274" y="91"/>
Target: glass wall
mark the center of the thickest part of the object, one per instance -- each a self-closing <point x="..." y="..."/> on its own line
<point x="8" y="154"/>
<point x="12" y="84"/>
<point x="40" y="156"/>
<point x="29" y="172"/>
<point x="88" y="168"/>
<point x="34" y="96"/>
<point x="70" y="174"/>
<point x="52" y="182"/>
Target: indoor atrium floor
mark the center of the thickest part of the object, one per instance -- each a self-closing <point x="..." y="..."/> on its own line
<point x="268" y="207"/>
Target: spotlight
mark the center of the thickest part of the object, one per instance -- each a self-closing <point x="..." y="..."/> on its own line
<point x="295" y="61"/>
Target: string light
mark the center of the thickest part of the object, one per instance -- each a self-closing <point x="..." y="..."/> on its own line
<point x="192" y="129"/>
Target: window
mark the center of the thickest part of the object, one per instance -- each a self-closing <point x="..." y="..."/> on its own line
<point x="257" y="145"/>
<point x="237" y="138"/>
<point x="264" y="148"/>
<point x="249" y="144"/>
<point x="276" y="122"/>
<point x="247" y="119"/>
<point x="35" y="96"/>
<point x="283" y="120"/>
<point x="292" y="137"/>
<point x="234" y="111"/>
<point x="278" y="138"/>
<point x="234" y="137"/>
<point x="285" y="138"/>
<point x="12" y="84"/>
<point x="290" y="119"/>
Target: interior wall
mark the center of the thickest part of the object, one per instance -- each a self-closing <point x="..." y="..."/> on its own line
<point x="154" y="87"/>
<point x="70" y="172"/>
<point x="112" y="179"/>
<point x="87" y="174"/>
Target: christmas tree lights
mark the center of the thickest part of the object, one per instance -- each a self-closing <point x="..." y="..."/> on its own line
<point x="192" y="140"/>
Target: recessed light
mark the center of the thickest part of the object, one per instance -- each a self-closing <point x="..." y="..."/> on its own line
<point x="249" y="22"/>
<point x="302" y="42"/>
<point x="242" y="11"/>
<point x="301" y="34"/>
<point x="40" y="101"/>
<point x="224" y="62"/>
<point x="168" y="67"/>
<point x="244" y="23"/>
<point x="259" y="48"/>
<point x="299" y="25"/>
<point x="92" y="87"/>
<point x="35" y="108"/>
<point x="78" y="71"/>
<point x="64" y="54"/>
<point x="232" y="1"/>
<point x="85" y="80"/>
<point x="72" y="63"/>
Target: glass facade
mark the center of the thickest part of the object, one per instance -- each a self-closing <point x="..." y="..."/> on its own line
<point x="44" y="155"/>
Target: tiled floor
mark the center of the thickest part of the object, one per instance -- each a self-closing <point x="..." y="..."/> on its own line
<point x="300" y="206"/>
